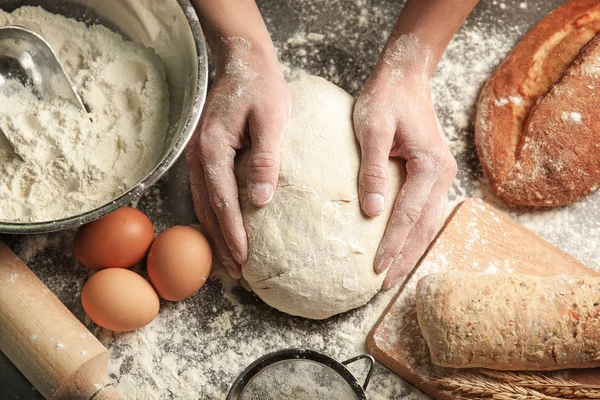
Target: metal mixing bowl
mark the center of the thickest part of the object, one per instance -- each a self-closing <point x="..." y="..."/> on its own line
<point x="172" y="29"/>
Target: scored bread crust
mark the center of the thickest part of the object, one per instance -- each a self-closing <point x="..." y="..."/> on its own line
<point x="537" y="127"/>
<point x="510" y="322"/>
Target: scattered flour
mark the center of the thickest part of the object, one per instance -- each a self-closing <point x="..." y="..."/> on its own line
<point x="144" y="362"/>
<point x="571" y="116"/>
<point x="196" y="348"/>
<point x="73" y="161"/>
<point x="492" y="269"/>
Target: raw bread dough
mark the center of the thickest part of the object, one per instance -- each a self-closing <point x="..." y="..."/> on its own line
<point x="311" y="249"/>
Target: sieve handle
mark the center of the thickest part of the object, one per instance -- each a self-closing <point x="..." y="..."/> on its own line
<point x="371" y="362"/>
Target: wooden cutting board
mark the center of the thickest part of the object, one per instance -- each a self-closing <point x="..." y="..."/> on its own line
<point x="476" y="238"/>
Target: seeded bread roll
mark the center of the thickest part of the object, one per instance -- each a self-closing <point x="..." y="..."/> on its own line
<point x="510" y="322"/>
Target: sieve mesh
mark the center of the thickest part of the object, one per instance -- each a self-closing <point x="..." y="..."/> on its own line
<point x="293" y="374"/>
<point x="298" y="379"/>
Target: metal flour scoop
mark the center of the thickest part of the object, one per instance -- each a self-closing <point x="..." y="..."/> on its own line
<point x="26" y="57"/>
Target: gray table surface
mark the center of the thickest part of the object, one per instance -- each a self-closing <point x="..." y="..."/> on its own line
<point x="345" y="56"/>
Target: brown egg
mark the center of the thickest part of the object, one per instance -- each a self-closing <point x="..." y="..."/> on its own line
<point x="179" y="262"/>
<point x="119" y="240"/>
<point x="119" y="299"/>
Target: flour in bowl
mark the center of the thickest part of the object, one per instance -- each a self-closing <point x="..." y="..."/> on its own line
<point x="70" y="161"/>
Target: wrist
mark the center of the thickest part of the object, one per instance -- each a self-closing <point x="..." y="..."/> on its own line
<point x="403" y="75"/>
<point x="408" y="57"/>
<point x="257" y="54"/>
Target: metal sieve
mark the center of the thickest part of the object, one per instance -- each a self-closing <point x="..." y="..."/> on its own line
<point x="295" y="374"/>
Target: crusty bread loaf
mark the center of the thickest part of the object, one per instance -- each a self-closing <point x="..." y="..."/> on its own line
<point x="538" y="118"/>
<point x="510" y="322"/>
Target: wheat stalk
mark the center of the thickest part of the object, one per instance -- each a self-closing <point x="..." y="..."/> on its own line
<point x="499" y="385"/>
<point x="472" y="386"/>
<point x="549" y="385"/>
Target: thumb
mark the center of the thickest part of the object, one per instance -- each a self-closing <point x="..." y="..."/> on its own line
<point x="373" y="175"/>
<point x="263" y="164"/>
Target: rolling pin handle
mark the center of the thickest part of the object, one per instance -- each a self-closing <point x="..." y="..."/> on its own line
<point x="45" y="341"/>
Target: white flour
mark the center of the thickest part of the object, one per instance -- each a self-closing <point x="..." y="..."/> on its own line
<point x="75" y="161"/>
<point x="196" y="348"/>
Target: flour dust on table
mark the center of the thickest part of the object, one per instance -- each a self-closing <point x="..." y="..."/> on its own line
<point x="196" y="348"/>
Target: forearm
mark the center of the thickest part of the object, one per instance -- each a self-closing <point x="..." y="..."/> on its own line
<point x="227" y="23"/>
<point x="423" y="31"/>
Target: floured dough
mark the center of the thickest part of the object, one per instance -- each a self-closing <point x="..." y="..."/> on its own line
<point x="311" y="249"/>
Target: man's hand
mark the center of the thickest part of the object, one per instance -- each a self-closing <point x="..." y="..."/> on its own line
<point x="394" y="117"/>
<point x="249" y="105"/>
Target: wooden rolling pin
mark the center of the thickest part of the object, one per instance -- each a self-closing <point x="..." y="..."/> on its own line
<point x="55" y="351"/>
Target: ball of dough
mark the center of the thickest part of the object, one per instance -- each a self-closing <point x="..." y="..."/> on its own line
<point x="311" y="249"/>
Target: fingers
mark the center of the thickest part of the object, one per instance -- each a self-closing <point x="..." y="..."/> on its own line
<point x="217" y="159"/>
<point x="206" y="215"/>
<point x="373" y="175"/>
<point x="421" y="175"/>
<point x="263" y="164"/>
<point x="431" y="221"/>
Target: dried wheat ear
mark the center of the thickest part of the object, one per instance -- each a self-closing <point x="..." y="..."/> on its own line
<point x="502" y="385"/>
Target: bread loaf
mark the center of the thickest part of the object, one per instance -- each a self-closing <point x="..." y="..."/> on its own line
<point x="510" y="322"/>
<point x="537" y="128"/>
